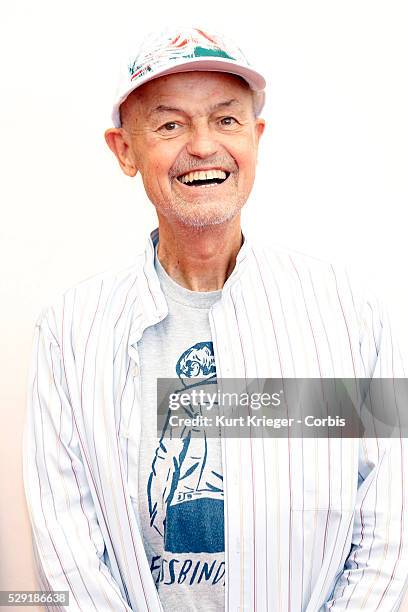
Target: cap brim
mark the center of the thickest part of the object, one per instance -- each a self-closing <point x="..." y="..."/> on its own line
<point x="214" y="64"/>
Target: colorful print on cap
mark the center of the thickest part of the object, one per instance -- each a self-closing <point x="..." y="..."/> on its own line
<point x="184" y="45"/>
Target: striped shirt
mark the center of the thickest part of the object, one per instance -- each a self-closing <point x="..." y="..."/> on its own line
<point x="310" y="524"/>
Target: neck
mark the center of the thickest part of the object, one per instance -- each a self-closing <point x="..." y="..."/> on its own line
<point x="199" y="259"/>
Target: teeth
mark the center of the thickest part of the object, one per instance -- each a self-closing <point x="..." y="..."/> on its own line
<point x="203" y="175"/>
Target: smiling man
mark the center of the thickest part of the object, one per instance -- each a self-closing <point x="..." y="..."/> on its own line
<point x="129" y="517"/>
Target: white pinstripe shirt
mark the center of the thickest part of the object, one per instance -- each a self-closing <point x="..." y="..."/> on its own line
<point x="317" y="524"/>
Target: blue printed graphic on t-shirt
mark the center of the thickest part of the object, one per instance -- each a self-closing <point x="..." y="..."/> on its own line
<point x="185" y="495"/>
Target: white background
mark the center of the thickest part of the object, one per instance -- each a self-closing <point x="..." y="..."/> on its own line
<point x="332" y="173"/>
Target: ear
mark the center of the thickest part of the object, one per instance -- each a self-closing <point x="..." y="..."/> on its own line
<point x="118" y="141"/>
<point x="259" y="128"/>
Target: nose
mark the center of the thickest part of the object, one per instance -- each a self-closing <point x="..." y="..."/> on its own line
<point x="202" y="142"/>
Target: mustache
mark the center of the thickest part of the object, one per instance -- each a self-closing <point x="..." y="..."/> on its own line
<point x="189" y="165"/>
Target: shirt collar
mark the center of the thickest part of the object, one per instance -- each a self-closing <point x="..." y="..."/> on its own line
<point x="153" y="302"/>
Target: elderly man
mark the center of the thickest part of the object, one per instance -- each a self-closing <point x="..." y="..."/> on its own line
<point x="126" y="519"/>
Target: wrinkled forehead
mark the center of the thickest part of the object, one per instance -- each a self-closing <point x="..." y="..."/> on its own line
<point x="188" y="90"/>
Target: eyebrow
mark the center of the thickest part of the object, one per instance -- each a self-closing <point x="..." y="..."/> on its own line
<point x="172" y="109"/>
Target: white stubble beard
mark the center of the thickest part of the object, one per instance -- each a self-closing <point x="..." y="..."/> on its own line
<point x="179" y="205"/>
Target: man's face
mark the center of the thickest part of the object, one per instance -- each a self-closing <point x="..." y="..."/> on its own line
<point x="192" y="122"/>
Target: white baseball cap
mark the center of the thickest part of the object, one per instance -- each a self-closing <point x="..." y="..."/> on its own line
<point x="185" y="50"/>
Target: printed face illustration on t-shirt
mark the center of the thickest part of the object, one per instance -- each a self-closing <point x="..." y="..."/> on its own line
<point x="185" y="489"/>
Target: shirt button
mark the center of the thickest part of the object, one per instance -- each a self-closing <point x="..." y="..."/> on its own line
<point x="136" y="371"/>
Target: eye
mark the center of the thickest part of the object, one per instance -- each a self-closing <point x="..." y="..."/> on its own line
<point x="228" y="121"/>
<point x="171" y="126"/>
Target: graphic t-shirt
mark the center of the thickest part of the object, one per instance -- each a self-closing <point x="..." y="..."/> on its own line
<point x="180" y="507"/>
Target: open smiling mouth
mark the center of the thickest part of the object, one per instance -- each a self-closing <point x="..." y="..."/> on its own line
<point x="203" y="177"/>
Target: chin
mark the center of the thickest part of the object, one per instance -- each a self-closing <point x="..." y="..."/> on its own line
<point x="202" y="215"/>
<point x="201" y="220"/>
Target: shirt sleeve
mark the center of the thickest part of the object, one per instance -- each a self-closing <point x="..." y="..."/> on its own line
<point x="375" y="574"/>
<point x="68" y="544"/>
